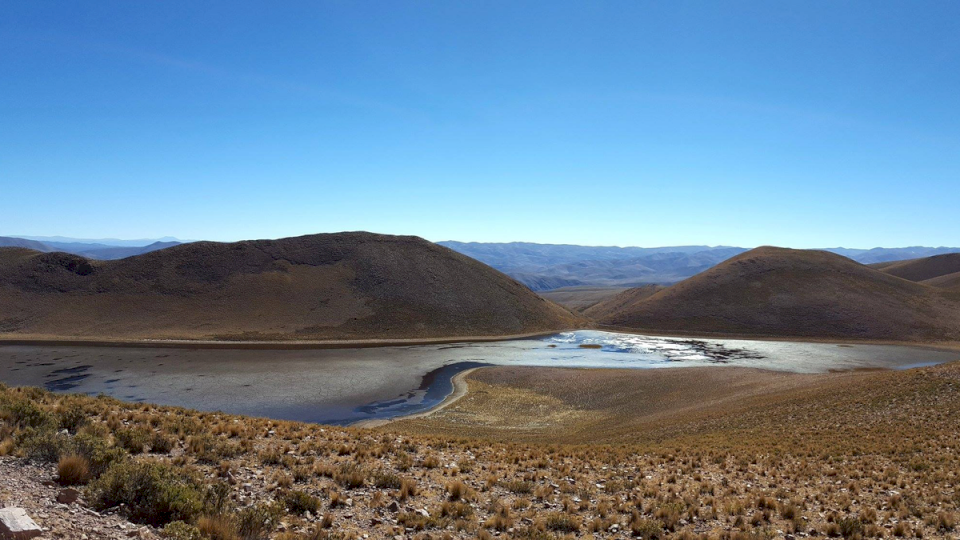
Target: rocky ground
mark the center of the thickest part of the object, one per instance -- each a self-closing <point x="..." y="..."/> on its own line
<point x="866" y="455"/>
<point x="33" y="487"/>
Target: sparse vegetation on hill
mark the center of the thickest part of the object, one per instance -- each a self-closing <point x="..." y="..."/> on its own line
<point x="925" y="269"/>
<point x="864" y="455"/>
<point x="320" y="287"/>
<point x="792" y="293"/>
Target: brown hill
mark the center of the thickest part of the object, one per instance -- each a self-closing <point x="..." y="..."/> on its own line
<point x="924" y="269"/>
<point x="325" y="286"/>
<point x="948" y="281"/>
<point x="579" y="299"/>
<point x="625" y="298"/>
<point x="783" y="292"/>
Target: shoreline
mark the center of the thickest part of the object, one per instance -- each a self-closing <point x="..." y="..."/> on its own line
<point x="40" y="341"/>
<point x="460" y="389"/>
<point x="267" y="345"/>
<point x="934" y="345"/>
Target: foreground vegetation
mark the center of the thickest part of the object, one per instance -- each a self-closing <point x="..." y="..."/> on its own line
<point x="872" y="455"/>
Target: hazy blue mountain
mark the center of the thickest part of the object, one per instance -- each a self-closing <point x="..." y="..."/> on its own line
<point x="91" y="250"/>
<point x="67" y="241"/>
<point x="9" y="241"/>
<point x="545" y="267"/>
<point x="879" y="255"/>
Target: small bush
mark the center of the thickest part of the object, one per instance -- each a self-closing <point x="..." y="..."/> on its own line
<point x="154" y="493"/>
<point x="26" y="414"/>
<point x="178" y="530"/>
<point x="520" y="487"/>
<point x="298" y="502"/>
<point x="71" y="418"/>
<point x="350" y="475"/>
<point x="43" y="444"/>
<point x="647" y="529"/>
<point x="258" y="521"/>
<point x="160" y="444"/>
<point x="386" y="480"/>
<point x="457" y="490"/>
<point x="73" y="470"/>
<point x="98" y="452"/>
<point x="562" y="522"/>
<point x="209" y="449"/>
<point x="850" y="527"/>
<point x="132" y="440"/>
<point x="217" y="528"/>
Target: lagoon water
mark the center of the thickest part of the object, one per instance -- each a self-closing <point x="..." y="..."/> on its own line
<point x="343" y="386"/>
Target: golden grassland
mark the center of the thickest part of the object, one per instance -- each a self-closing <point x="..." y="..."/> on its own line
<point x="740" y="454"/>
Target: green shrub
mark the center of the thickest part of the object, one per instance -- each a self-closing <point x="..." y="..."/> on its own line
<point x="160" y="444"/>
<point x="298" y="502"/>
<point x="154" y="493"/>
<point x="26" y="414"/>
<point x="71" y="417"/>
<point x="133" y="440"/>
<point x="98" y="451"/>
<point x="258" y="521"/>
<point x="44" y="444"/>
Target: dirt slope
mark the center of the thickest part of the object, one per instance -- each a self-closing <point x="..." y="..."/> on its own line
<point x="794" y="293"/>
<point x="579" y="299"/>
<point x="326" y="286"/>
<point x="924" y="269"/>
<point x="948" y="281"/>
<point x="626" y="298"/>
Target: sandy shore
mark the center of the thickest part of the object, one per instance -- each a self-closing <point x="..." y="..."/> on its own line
<point x="460" y="389"/>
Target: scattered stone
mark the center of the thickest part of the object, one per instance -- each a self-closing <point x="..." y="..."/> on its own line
<point x="68" y="496"/>
<point x="393" y="507"/>
<point x="15" y="524"/>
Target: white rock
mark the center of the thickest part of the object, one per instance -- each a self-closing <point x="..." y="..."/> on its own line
<point x="15" y="524"/>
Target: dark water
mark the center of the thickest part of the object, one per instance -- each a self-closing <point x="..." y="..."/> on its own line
<point x="343" y="386"/>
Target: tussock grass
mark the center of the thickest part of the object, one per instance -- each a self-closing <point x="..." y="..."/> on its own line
<point x="870" y="456"/>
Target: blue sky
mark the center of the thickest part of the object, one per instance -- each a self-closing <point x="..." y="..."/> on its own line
<point x="801" y="124"/>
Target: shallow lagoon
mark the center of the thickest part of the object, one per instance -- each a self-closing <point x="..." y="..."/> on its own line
<point x="343" y="386"/>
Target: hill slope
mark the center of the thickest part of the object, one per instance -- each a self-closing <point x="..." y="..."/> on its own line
<point x="784" y="292"/>
<point x="923" y="269"/>
<point x="8" y="241"/>
<point x="328" y="286"/>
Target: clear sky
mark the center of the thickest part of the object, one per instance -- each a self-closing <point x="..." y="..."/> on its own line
<point x="803" y="124"/>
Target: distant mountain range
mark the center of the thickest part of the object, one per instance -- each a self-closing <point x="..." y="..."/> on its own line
<point x="541" y="267"/>
<point x="103" y="249"/>
<point x="544" y="267"/>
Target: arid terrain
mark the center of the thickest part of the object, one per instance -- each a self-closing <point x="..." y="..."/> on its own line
<point x="777" y="292"/>
<point x="580" y="299"/>
<point x="319" y="287"/>
<point x="596" y="453"/>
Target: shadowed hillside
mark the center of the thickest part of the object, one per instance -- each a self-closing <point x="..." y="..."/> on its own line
<point x="783" y="292"/>
<point x="622" y="299"/>
<point x="327" y="286"/>
<point x="924" y="269"/>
